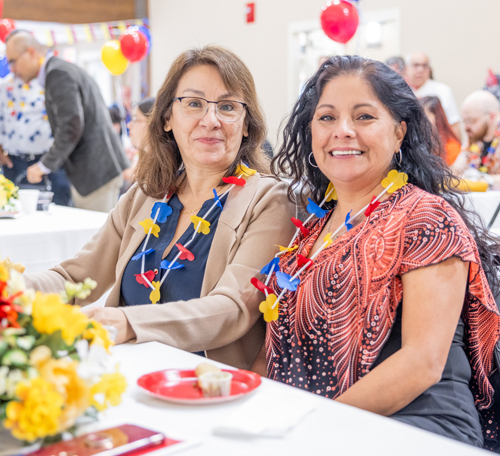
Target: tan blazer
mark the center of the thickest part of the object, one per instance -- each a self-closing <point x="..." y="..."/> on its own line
<point x="225" y="321"/>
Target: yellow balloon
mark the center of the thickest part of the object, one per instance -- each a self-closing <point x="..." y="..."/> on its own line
<point x="113" y="58"/>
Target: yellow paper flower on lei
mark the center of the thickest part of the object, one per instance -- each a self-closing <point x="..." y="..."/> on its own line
<point x="328" y="239"/>
<point x="200" y="225"/>
<point x="395" y="178"/>
<point x="288" y="249"/>
<point x="148" y="224"/>
<point x="38" y="411"/>
<point x="245" y="170"/>
<point x="331" y="193"/>
<point x="154" y="296"/>
<point x="266" y="307"/>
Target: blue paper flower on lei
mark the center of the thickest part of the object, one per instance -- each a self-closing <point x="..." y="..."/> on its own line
<point x="284" y="281"/>
<point x="313" y="208"/>
<point x="165" y="264"/>
<point x="272" y="265"/>
<point x="163" y="209"/>
<point x="141" y="254"/>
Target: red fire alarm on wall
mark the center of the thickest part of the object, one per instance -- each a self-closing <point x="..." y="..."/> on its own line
<point x="250" y="9"/>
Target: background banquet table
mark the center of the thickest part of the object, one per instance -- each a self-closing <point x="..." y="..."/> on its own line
<point x="42" y="240"/>
<point x="331" y="427"/>
<point x="485" y="204"/>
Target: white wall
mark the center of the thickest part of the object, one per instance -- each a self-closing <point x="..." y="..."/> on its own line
<point x="461" y="37"/>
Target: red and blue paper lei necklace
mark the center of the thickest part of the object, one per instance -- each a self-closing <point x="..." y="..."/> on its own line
<point x="159" y="214"/>
<point x="270" y="307"/>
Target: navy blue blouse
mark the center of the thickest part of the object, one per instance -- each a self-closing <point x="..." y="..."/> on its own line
<point x="181" y="284"/>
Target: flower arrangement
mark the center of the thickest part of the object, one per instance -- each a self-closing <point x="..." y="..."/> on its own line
<point x="55" y="364"/>
<point x="8" y="195"/>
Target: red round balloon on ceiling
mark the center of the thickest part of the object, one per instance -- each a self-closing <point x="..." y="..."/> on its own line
<point x="6" y="26"/>
<point x="339" y="20"/>
<point x="1" y="7"/>
<point x="134" y="44"/>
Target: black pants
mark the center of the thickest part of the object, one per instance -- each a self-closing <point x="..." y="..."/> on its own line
<point x="59" y="181"/>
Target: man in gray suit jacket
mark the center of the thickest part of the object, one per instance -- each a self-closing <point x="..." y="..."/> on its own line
<point x="84" y="141"/>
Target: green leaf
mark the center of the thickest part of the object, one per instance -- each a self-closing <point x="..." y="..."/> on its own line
<point x="15" y="358"/>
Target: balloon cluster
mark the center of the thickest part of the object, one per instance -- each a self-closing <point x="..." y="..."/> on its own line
<point x="6" y="26"/>
<point x="133" y="46"/>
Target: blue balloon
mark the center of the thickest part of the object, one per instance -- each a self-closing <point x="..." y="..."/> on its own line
<point x="4" y="66"/>
<point x="145" y="31"/>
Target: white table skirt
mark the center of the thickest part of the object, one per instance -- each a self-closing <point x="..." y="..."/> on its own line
<point x="331" y="428"/>
<point x="42" y="240"/>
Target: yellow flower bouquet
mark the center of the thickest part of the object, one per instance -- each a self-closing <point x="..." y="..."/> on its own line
<point x="8" y="195"/>
<point x="55" y="364"/>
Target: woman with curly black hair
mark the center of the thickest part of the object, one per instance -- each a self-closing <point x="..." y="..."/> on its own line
<point x="392" y="310"/>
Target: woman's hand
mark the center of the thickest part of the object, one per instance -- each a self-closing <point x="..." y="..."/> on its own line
<point x="112" y="316"/>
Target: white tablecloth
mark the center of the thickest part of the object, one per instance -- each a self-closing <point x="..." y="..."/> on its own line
<point x="485" y="204"/>
<point x="42" y="240"/>
<point x="331" y="428"/>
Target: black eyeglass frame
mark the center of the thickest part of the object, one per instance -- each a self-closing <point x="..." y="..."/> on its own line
<point x="216" y="107"/>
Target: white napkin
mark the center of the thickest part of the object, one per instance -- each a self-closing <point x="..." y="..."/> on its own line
<point x="269" y="413"/>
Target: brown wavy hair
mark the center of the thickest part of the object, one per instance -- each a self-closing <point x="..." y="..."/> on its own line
<point x="160" y="159"/>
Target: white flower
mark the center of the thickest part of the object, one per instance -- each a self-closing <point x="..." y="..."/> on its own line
<point x="94" y="361"/>
<point x="4" y="371"/>
<point x="14" y="377"/>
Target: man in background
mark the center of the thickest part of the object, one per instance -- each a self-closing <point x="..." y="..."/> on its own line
<point x="84" y="141"/>
<point x="481" y="118"/>
<point x="25" y="134"/>
<point x="418" y="72"/>
<point x="397" y="64"/>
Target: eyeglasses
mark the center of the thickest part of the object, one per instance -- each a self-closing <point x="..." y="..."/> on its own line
<point x="136" y="120"/>
<point x="13" y="61"/>
<point x="471" y="120"/>
<point x="424" y="66"/>
<point x="225" y="110"/>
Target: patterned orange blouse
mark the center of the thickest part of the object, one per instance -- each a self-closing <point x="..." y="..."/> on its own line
<point x="331" y="330"/>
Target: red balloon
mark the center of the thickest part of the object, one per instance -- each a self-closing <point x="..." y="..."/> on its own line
<point x="134" y="44"/>
<point x="6" y="26"/>
<point x="339" y="20"/>
<point x="1" y="7"/>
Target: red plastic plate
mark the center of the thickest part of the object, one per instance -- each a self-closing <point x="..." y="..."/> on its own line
<point x="170" y="386"/>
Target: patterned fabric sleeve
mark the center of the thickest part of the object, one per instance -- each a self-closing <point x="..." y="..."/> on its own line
<point x="434" y="233"/>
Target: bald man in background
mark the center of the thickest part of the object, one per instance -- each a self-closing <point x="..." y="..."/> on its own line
<point x="418" y="75"/>
<point x="85" y="143"/>
<point x="481" y="118"/>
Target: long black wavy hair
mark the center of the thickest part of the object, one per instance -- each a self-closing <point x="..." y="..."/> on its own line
<point x="421" y="148"/>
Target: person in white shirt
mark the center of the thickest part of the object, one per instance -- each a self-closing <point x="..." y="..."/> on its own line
<point x="418" y="73"/>
<point x="25" y="135"/>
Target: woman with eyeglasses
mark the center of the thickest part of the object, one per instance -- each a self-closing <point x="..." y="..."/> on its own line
<point x="181" y="246"/>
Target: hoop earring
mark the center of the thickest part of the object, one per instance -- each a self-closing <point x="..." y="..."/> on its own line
<point x="309" y="160"/>
<point x="400" y="157"/>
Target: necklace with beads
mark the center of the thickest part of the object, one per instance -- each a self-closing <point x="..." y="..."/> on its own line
<point x="288" y="283"/>
<point x="159" y="215"/>
<point x="484" y="162"/>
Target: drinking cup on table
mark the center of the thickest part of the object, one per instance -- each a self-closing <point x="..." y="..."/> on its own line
<point x="44" y="200"/>
<point x="29" y="199"/>
<point x="215" y="384"/>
